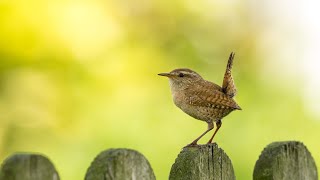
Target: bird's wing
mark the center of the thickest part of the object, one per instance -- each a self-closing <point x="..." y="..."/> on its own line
<point x="228" y="86"/>
<point x="212" y="98"/>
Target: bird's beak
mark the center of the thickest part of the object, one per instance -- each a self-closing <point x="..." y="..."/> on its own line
<point x="165" y="74"/>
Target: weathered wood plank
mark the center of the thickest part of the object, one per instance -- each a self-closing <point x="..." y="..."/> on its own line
<point x="124" y="164"/>
<point x="202" y="162"/>
<point x="28" y="167"/>
<point x="288" y="160"/>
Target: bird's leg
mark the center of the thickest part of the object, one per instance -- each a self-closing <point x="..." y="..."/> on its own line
<point x="210" y="127"/>
<point x="218" y="123"/>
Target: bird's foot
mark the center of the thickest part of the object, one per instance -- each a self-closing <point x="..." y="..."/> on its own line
<point x="210" y="142"/>
<point x="193" y="144"/>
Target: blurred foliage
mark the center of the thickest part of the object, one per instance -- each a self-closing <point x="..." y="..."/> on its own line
<point x="78" y="77"/>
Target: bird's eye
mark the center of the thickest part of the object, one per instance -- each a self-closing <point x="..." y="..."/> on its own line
<point x="181" y="75"/>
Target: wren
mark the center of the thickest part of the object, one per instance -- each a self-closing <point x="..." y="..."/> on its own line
<point x="202" y="99"/>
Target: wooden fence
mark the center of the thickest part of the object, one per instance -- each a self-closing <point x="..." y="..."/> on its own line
<point x="278" y="161"/>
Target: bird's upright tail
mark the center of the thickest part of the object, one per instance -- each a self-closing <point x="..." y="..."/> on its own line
<point x="228" y="86"/>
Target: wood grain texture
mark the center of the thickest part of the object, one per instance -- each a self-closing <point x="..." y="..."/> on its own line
<point x="202" y="162"/>
<point x="124" y="164"/>
<point x="288" y="160"/>
<point x="28" y="167"/>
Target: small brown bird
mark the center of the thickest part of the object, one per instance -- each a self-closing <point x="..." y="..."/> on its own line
<point x="202" y="99"/>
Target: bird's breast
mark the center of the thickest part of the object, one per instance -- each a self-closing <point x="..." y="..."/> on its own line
<point x="178" y="99"/>
<point x="182" y="101"/>
<point x="191" y="106"/>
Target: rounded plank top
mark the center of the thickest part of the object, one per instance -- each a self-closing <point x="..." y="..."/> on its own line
<point x="202" y="162"/>
<point x="288" y="160"/>
<point x="25" y="166"/>
<point x="123" y="164"/>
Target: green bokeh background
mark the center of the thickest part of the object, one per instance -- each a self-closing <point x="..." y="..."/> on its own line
<point x="78" y="77"/>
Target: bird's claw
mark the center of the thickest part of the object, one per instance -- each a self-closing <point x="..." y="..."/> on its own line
<point x="193" y="144"/>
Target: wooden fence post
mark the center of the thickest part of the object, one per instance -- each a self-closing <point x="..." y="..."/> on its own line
<point x="289" y="160"/>
<point x="202" y="162"/>
<point x="28" y="167"/>
<point x="123" y="164"/>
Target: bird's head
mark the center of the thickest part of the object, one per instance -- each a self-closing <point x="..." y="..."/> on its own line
<point x="182" y="78"/>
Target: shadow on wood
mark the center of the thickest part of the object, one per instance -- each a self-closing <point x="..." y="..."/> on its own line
<point x="123" y="164"/>
<point x="202" y="162"/>
<point x="288" y="160"/>
<point x="28" y="167"/>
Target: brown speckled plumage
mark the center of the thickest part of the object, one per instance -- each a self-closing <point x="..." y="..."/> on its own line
<point x="202" y="99"/>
